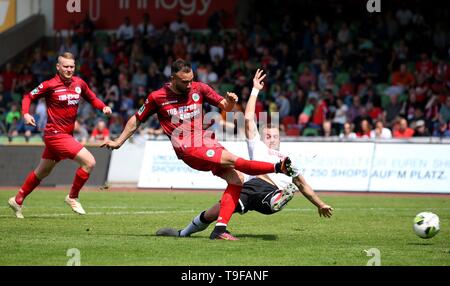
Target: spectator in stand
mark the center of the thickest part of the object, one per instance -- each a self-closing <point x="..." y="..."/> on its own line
<point x="179" y="24"/>
<point x="402" y="130"/>
<point x="68" y="46"/>
<point x="12" y="117"/>
<point x="306" y="79"/>
<point x="380" y="132"/>
<point x="442" y="131"/>
<point x="444" y="112"/>
<point x="327" y="130"/>
<point x="146" y="28"/>
<point x="347" y="131"/>
<point x="340" y="115"/>
<point x="80" y="133"/>
<point x="126" y="31"/>
<point x="100" y="133"/>
<point x="365" y="129"/>
<point x="116" y="125"/>
<point x="420" y="130"/>
<point x="392" y="110"/>
<point x="9" y="78"/>
<point x="403" y="77"/>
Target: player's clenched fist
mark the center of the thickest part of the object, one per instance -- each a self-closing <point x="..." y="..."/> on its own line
<point x="231" y="97"/>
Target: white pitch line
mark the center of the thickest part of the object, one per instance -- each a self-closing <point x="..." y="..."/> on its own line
<point x="194" y="211"/>
<point x="105" y="213"/>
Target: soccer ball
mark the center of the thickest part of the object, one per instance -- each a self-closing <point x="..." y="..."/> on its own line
<point x="426" y="224"/>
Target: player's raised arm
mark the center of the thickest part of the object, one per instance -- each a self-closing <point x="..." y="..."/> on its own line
<point x="324" y="209"/>
<point x="250" y="125"/>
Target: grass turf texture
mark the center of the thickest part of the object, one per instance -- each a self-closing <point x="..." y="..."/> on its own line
<point x="119" y="229"/>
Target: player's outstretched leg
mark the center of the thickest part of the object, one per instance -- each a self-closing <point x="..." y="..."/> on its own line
<point x="87" y="164"/>
<point x="33" y="180"/>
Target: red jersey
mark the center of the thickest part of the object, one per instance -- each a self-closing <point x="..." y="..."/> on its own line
<point x="100" y="135"/>
<point x="181" y="116"/>
<point x="62" y="99"/>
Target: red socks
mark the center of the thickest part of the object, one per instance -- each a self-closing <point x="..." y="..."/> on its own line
<point x="254" y="168"/>
<point x="31" y="182"/>
<point x="81" y="176"/>
<point x="228" y="203"/>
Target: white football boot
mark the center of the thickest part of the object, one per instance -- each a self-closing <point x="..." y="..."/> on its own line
<point x="15" y="207"/>
<point x="75" y="205"/>
<point x="282" y="198"/>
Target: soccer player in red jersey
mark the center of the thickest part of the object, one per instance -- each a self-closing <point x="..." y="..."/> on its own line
<point x="62" y="95"/>
<point x="178" y="105"/>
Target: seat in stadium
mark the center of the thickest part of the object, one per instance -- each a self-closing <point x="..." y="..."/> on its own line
<point x="288" y="121"/>
<point x="310" y="132"/>
<point x="293" y="132"/>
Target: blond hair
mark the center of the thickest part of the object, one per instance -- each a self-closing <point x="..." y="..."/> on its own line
<point x="67" y="55"/>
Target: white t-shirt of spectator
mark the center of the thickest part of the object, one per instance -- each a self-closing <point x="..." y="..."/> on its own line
<point x="385" y="134"/>
<point x="340" y="116"/>
<point x="259" y="151"/>
<point x="125" y="32"/>
<point x="150" y="29"/>
<point x="216" y="50"/>
<point x="175" y="26"/>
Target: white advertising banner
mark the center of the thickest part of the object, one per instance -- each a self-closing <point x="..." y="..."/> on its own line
<point x="332" y="166"/>
<point x="327" y="166"/>
<point x="411" y="168"/>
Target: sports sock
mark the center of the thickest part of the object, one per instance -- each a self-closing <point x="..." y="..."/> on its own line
<point x="31" y="182"/>
<point x="254" y="168"/>
<point x="81" y="176"/>
<point x="197" y="224"/>
<point x="228" y="204"/>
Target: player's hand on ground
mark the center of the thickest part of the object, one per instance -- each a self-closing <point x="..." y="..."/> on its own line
<point x="29" y="119"/>
<point x="107" y="110"/>
<point x="112" y="145"/>
<point x="258" y="79"/>
<point x="325" y="211"/>
<point x="231" y="97"/>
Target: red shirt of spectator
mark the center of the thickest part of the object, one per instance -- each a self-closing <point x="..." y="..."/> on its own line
<point x="402" y="77"/>
<point x="9" y="76"/>
<point x="403" y="131"/>
<point x="320" y="112"/>
<point x="424" y="65"/>
<point x="100" y="132"/>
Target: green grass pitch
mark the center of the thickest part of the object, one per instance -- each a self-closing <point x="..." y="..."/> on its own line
<point x="120" y="226"/>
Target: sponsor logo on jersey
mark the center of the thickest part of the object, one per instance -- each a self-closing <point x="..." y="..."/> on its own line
<point x="78" y="89"/>
<point x="210" y="153"/>
<point x="196" y="97"/>
<point x="169" y="102"/>
<point x="41" y="86"/>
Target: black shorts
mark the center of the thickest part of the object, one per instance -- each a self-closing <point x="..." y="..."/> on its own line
<point x="255" y="196"/>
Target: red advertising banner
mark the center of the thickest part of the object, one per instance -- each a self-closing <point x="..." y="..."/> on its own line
<point x="109" y="14"/>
